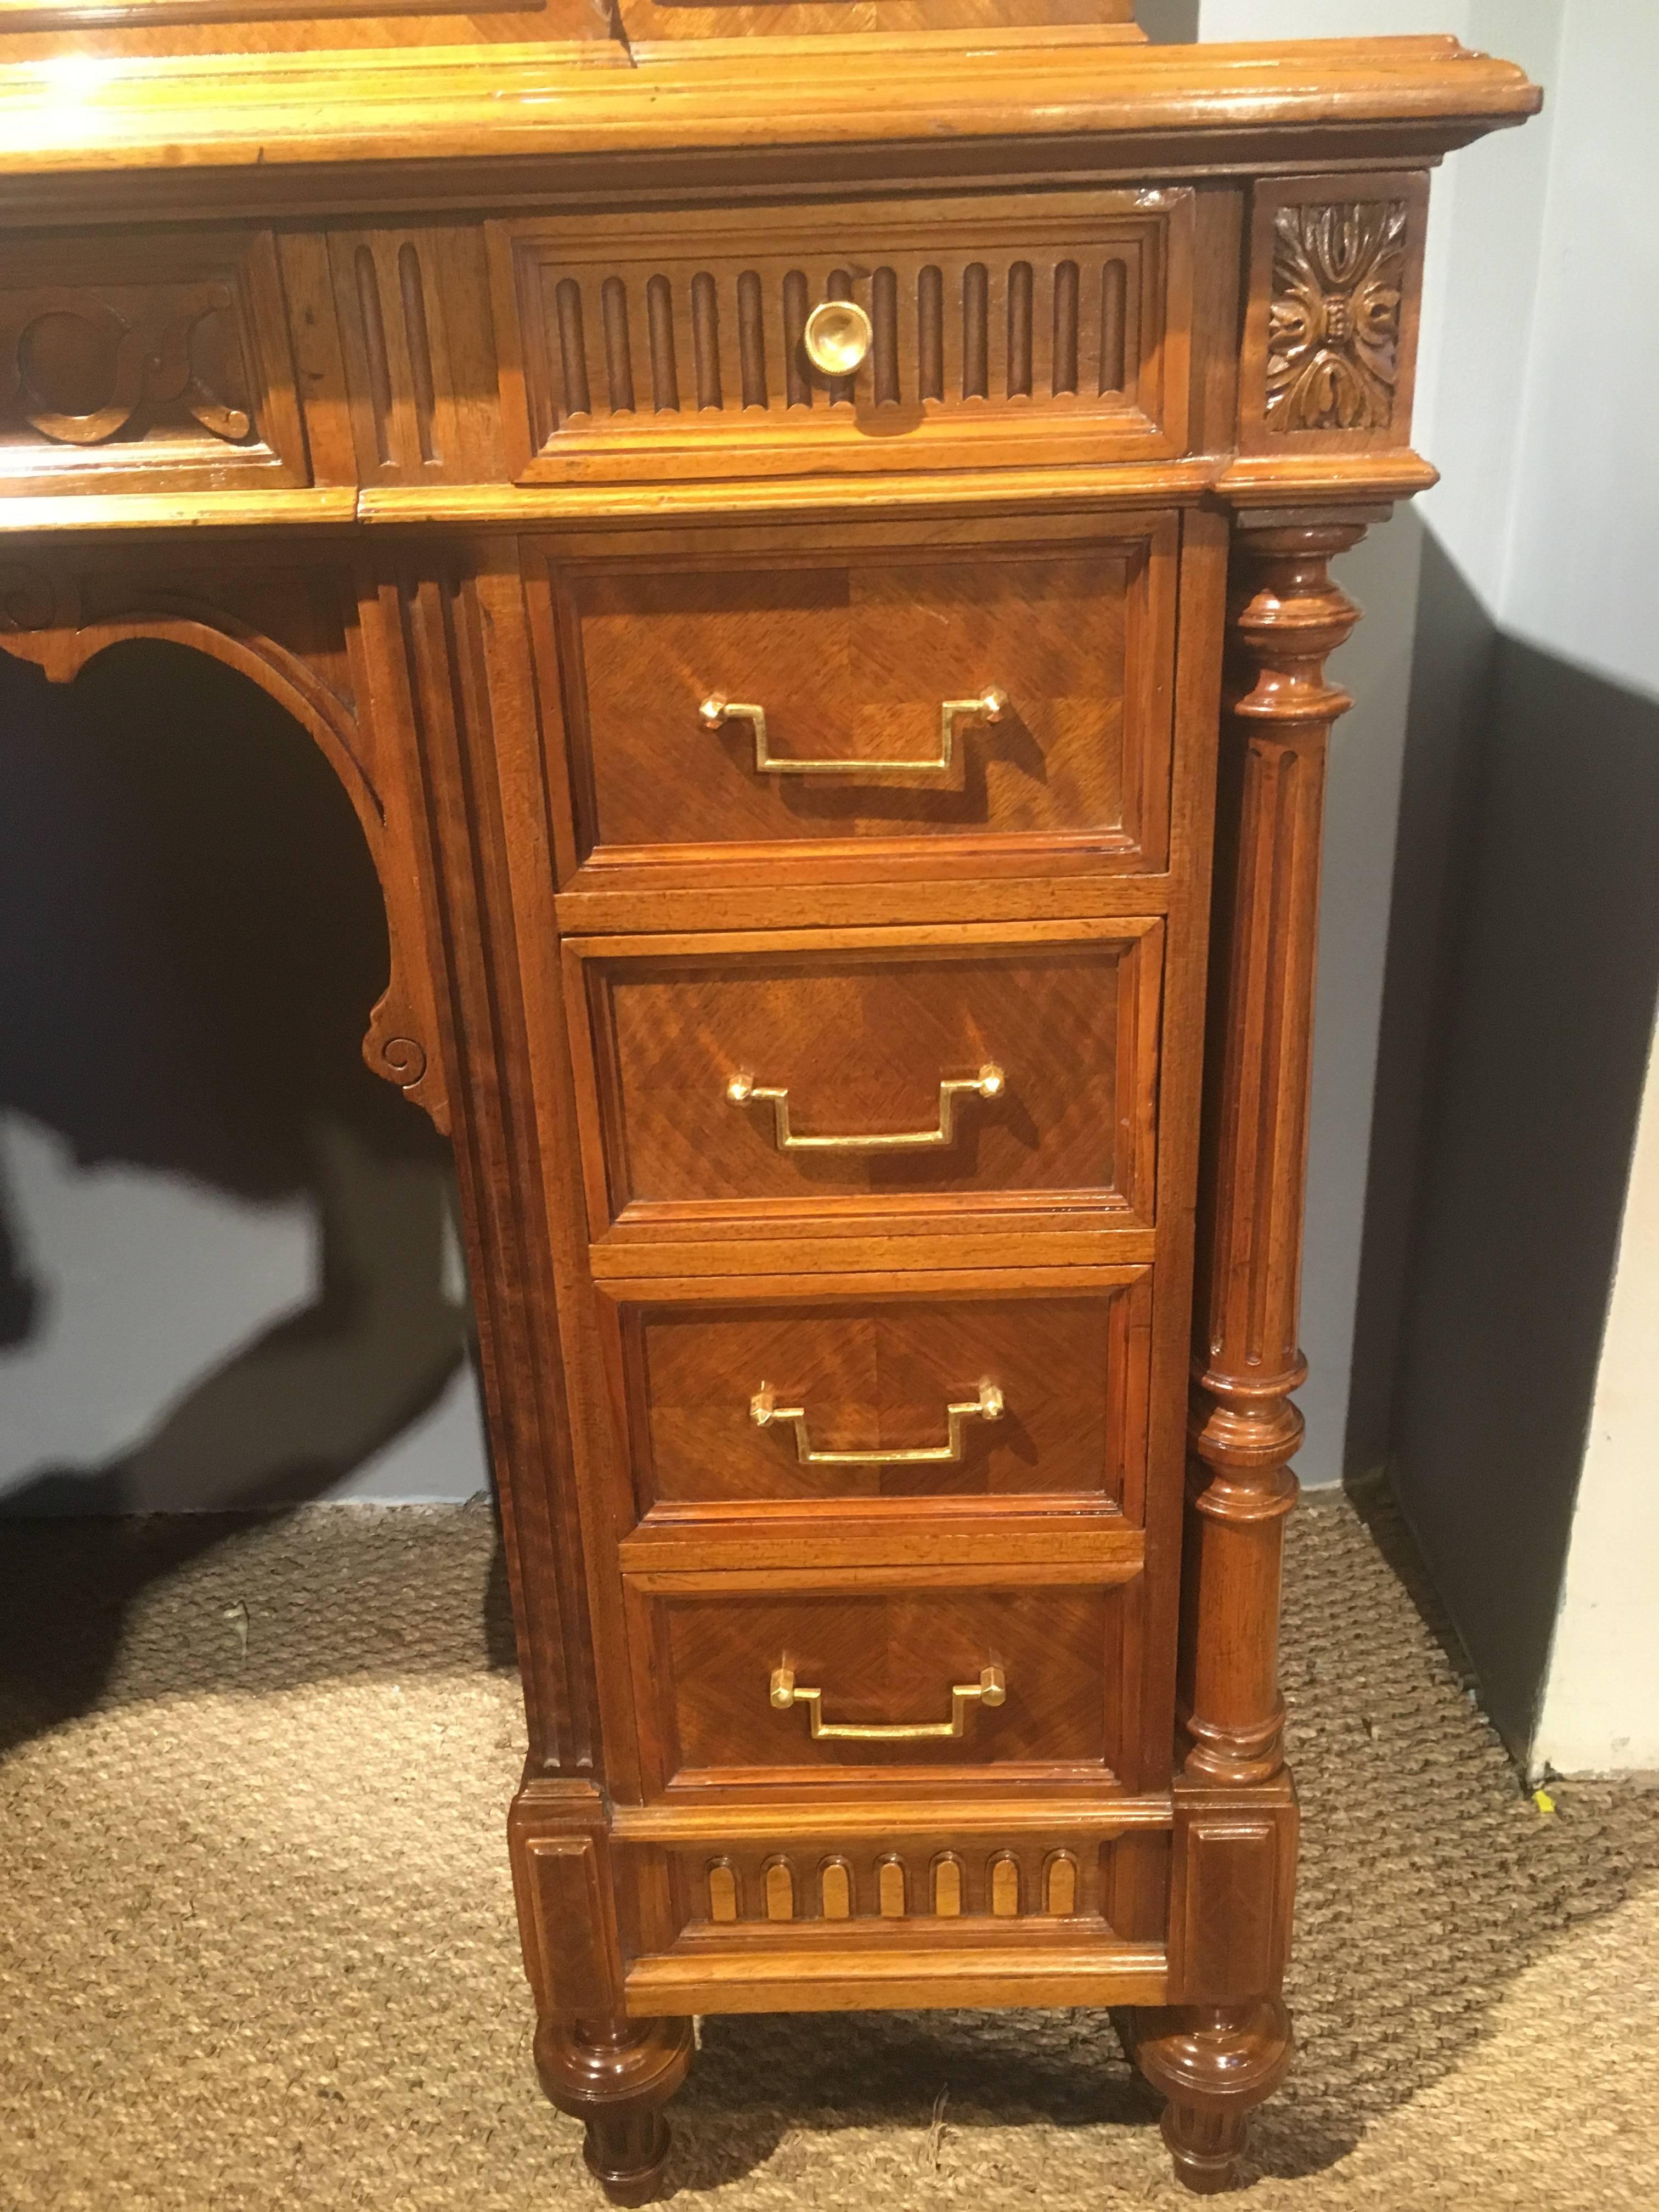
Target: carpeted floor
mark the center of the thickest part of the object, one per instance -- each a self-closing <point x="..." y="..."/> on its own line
<point x="257" y="1946"/>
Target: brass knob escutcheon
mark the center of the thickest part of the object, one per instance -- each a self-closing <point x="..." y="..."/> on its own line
<point x="837" y="338"/>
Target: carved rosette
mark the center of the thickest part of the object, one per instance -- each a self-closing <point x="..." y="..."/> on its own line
<point x="1335" y="314"/>
<point x="1286" y="618"/>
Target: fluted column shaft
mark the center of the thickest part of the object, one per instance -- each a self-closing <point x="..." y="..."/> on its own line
<point x="1286" y="616"/>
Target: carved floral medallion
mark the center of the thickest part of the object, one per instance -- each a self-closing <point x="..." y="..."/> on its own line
<point x="1334" y="321"/>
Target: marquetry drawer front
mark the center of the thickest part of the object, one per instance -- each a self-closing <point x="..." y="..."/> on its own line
<point x="823" y="687"/>
<point x="157" y="365"/>
<point x="1002" y="1387"/>
<point x="1046" y="326"/>
<point x="1011" y="1679"/>
<point x="837" y="1075"/>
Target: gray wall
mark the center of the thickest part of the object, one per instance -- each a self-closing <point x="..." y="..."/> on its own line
<point x="229" y="1272"/>
<point x="1539" y="1034"/>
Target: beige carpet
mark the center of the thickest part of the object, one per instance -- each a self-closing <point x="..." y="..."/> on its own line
<point x="257" y="1946"/>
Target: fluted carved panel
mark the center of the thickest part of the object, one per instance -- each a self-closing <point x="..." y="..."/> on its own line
<point x="986" y="326"/>
<point x="419" y="362"/>
<point x="145" y="368"/>
<point x="729" y="341"/>
<point x="1028" y="1881"/>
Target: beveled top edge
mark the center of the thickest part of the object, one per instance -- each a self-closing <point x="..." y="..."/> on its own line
<point x="82" y="115"/>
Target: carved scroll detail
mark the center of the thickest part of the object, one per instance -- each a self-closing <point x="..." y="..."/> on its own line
<point x="1286" y="617"/>
<point x="133" y="358"/>
<point x="399" y="1059"/>
<point x="1334" y="318"/>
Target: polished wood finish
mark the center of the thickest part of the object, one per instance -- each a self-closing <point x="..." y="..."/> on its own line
<point x="860" y="1027"/>
<point x="795" y="791"/>
<point x="878" y="1364"/>
<point x="858" y="638"/>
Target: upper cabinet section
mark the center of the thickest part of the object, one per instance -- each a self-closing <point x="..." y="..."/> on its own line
<point x="1049" y="327"/>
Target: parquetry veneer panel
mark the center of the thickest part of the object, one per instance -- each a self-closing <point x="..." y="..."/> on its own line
<point x="853" y="663"/>
<point x="862" y="1036"/>
<point x="887" y="1661"/>
<point x="878" y="1368"/>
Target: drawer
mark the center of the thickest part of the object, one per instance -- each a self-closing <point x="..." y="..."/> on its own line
<point x="733" y="1688"/>
<point x="779" y="688"/>
<point x="160" y="365"/>
<point x="837" y="1076"/>
<point x="1042" y="326"/>
<point x="999" y="1386"/>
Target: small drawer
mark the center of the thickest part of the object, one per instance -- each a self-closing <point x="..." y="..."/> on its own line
<point x="833" y="1077"/>
<point x="1040" y="327"/>
<point x="737" y="1686"/>
<point x="163" y="366"/>
<point x="838" y="688"/>
<point x="1007" y="1385"/>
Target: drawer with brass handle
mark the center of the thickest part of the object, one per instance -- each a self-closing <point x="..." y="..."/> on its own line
<point x="1033" y="1678"/>
<point x="759" y="1393"/>
<point x="852" y="1078"/>
<point x="978" y="693"/>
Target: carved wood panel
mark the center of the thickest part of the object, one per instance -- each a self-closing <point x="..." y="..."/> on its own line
<point x="1333" y="318"/>
<point x="159" y="366"/>
<point x="851" y="1881"/>
<point x="414" y="314"/>
<point x="1057" y="319"/>
<point x="1330" y="342"/>
<point x="288" y="620"/>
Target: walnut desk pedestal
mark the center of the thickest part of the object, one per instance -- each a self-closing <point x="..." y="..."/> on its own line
<point x="808" y="549"/>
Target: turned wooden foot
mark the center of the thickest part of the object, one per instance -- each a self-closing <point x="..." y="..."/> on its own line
<point x="1214" y="2063"/>
<point x="616" y="2075"/>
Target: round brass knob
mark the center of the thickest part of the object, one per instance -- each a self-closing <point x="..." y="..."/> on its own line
<point x="837" y="337"/>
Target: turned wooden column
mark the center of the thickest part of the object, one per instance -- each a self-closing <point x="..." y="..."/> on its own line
<point x="1225" y="2046"/>
<point x="1285" y="617"/>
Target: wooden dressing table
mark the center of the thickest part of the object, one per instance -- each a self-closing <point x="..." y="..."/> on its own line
<point x="752" y="501"/>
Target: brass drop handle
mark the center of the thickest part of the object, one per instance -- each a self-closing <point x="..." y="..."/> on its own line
<point x="989" y="1689"/>
<point x="742" y="1088"/>
<point x="764" y="1410"/>
<point x="837" y="337"/>
<point x="990" y="706"/>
